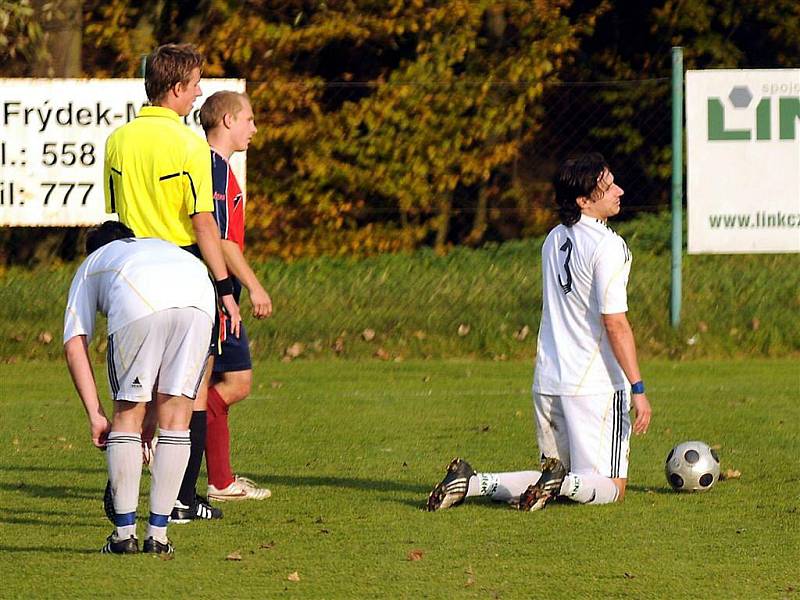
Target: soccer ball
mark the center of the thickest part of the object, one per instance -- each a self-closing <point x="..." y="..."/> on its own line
<point x="692" y="467"/>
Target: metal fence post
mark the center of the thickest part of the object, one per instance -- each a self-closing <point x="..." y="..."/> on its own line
<point x="677" y="184"/>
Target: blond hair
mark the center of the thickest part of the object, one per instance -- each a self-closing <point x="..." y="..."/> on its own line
<point x="219" y="104"/>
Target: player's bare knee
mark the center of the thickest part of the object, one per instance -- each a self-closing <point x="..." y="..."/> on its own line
<point x="236" y="386"/>
<point x="128" y="416"/>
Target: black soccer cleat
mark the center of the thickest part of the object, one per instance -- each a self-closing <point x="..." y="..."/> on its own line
<point x="108" y="502"/>
<point x="115" y="546"/>
<point x="452" y="490"/>
<point x="547" y="488"/>
<point x="153" y="546"/>
<point x="200" y="510"/>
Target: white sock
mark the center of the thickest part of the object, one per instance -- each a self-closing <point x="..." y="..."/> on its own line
<point x="124" y="456"/>
<point x="589" y="489"/>
<point x="502" y="487"/>
<point x="167" y="471"/>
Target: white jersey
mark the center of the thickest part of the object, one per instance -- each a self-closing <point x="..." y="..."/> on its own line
<point x="129" y="279"/>
<point x="585" y="272"/>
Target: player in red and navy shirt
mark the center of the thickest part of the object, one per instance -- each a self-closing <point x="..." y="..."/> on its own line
<point x="227" y="119"/>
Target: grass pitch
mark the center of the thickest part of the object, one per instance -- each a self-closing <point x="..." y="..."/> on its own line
<point x="351" y="450"/>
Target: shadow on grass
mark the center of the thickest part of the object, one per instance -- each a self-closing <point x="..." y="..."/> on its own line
<point x="53" y="491"/>
<point x="47" y="550"/>
<point x="376" y="485"/>
<point x="55" y="521"/>
<point x="41" y="468"/>
<point x="644" y="489"/>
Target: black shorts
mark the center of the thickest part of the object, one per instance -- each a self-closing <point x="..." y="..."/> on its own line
<point x="235" y="354"/>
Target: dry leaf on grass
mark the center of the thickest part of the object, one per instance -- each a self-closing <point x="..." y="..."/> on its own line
<point x="382" y="354"/>
<point x="295" y="576"/>
<point x="234" y="556"/>
<point x="522" y="333"/>
<point x="730" y="474"/>
<point x="368" y="335"/>
<point x="267" y="546"/>
<point x="463" y="330"/>
<point x="294" y="350"/>
<point x="338" y="345"/>
<point x="45" y="337"/>
<point x="470" y="577"/>
<point x="415" y="555"/>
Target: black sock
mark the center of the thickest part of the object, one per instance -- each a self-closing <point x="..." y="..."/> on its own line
<point x="197" y="428"/>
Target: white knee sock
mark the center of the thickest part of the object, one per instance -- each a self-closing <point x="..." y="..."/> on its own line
<point x="124" y="456"/>
<point x="589" y="489"/>
<point x="502" y="487"/>
<point x="167" y="470"/>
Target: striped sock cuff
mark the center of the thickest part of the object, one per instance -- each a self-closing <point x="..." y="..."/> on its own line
<point x="174" y="438"/>
<point x="122" y="437"/>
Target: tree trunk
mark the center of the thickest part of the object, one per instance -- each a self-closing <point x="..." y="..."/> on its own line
<point x="443" y="224"/>
<point x="481" y="221"/>
<point x="62" y="25"/>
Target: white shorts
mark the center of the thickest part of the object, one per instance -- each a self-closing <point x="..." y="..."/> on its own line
<point x="589" y="434"/>
<point x="167" y="349"/>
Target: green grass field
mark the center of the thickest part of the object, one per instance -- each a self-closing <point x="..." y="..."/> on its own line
<point x="351" y="450"/>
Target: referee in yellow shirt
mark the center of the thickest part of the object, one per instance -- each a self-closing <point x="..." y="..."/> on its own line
<point x="157" y="178"/>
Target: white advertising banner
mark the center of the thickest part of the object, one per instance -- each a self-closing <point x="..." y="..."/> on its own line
<point x="52" y="138"/>
<point x="743" y="161"/>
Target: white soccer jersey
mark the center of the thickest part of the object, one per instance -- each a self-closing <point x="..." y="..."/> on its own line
<point x="585" y="272"/>
<point x="133" y="278"/>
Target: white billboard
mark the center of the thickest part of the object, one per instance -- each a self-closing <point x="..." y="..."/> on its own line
<point x="743" y="161"/>
<point x="52" y="138"/>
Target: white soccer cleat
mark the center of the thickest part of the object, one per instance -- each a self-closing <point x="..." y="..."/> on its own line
<point x="241" y="488"/>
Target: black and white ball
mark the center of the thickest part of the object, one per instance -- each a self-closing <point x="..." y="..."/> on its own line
<point x="692" y="467"/>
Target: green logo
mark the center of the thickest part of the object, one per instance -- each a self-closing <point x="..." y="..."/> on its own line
<point x="741" y="98"/>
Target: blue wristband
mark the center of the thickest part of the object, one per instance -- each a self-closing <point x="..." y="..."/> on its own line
<point x="638" y="387"/>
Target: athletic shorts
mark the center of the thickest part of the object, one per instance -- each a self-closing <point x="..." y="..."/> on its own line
<point x="589" y="434"/>
<point x="235" y="352"/>
<point x="168" y="348"/>
<point x="213" y="345"/>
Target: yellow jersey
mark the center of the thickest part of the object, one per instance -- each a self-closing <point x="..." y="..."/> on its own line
<point x="157" y="174"/>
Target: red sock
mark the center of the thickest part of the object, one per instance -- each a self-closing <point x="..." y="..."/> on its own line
<point x="218" y="442"/>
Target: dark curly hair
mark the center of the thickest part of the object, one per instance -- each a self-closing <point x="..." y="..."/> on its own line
<point x="575" y="178"/>
<point x="106" y="233"/>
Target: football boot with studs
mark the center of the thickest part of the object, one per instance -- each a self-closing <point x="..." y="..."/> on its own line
<point x="547" y="488"/>
<point x="120" y="546"/>
<point x="452" y="490"/>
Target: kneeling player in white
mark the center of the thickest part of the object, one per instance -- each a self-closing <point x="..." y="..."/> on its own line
<point x="585" y="360"/>
<point x="160" y="307"/>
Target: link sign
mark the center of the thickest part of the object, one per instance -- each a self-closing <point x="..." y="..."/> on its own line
<point x="743" y="160"/>
<point x="52" y="141"/>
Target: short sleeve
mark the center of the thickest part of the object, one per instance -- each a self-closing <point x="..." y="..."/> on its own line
<point x="81" y="311"/>
<point x="612" y="268"/>
<point x="198" y="189"/>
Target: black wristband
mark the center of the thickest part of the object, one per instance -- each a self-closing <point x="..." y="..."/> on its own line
<point x="224" y="287"/>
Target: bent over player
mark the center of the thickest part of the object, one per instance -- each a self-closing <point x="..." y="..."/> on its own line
<point x="585" y="359"/>
<point x="157" y="177"/>
<point x="227" y="118"/>
<point x="160" y="306"/>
